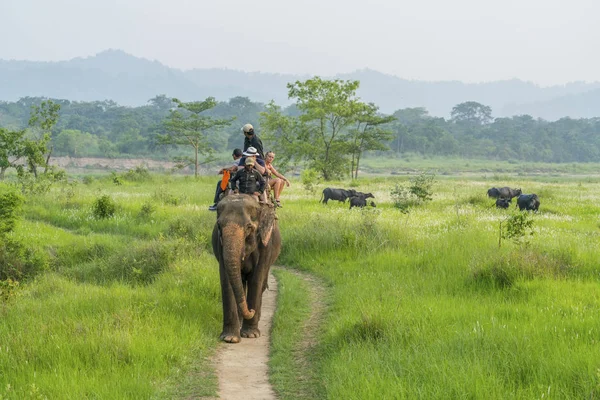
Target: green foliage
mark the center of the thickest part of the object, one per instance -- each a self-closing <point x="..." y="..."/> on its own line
<point x="8" y="290"/>
<point x="32" y="185"/>
<point x="116" y="179"/>
<point x="138" y="174"/>
<point x="163" y="195"/>
<point x="147" y="209"/>
<point x="19" y="262"/>
<point x="517" y="227"/>
<point x="10" y="209"/>
<point x="417" y="191"/>
<point x="505" y="270"/>
<point x="402" y="199"/>
<point x="104" y="207"/>
<point x="328" y="107"/>
<point x="421" y="186"/>
<point x="187" y="126"/>
<point x="310" y="178"/>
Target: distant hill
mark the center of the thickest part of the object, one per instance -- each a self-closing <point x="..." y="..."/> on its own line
<point x="129" y="80"/>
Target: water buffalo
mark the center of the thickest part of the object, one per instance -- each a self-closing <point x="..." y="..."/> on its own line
<point x="529" y="202"/>
<point x="502" y="202"/>
<point x="493" y="192"/>
<point x="360" y="200"/>
<point x="336" y="194"/>
<point x="509" y="193"/>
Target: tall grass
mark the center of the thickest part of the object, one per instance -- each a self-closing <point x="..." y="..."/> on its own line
<point x="422" y="305"/>
<point x="427" y="306"/>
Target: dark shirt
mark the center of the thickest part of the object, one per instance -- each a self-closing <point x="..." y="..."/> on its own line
<point x="250" y="181"/>
<point x="259" y="161"/>
<point x="254" y="141"/>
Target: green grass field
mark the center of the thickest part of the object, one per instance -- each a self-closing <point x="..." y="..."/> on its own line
<point x="419" y="305"/>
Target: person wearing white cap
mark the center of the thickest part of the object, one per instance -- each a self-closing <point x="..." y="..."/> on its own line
<point x="252" y="140"/>
<point x="259" y="164"/>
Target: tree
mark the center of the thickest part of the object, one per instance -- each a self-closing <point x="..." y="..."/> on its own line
<point x="43" y="118"/>
<point x="471" y="113"/>
<point x="11" y="149"/>
<point x="328" y="107"/>
<point x="185" y="126"/>
<point x="369" y="134"/>
<point x="281" y="132"/>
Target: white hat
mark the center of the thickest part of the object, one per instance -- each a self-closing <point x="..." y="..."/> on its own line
<point x="247" y="128"/>
<point x="251" y="152"/>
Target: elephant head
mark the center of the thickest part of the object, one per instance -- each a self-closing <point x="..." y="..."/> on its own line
<point x="243" y="225"/>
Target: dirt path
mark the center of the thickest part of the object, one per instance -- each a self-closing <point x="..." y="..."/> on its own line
<point x="242" y="368"/>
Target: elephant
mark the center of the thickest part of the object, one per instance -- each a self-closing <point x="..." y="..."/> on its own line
<point x="246" y="241"/>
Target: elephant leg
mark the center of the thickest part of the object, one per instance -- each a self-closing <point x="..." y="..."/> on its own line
<point x="256" y="286"/>
<point x="231" y="319"/>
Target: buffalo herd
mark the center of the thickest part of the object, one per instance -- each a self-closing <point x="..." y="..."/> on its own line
<point x="504" y="196"/>
<point x="357" y="199"/>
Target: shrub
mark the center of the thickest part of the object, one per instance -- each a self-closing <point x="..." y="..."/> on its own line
<point x="87" y="180"/>
<point x="420" y="186"/>
<point x="8" y="288"/>
<point x="30" y="184"/>
<point x="104" y="207"/>
<point x="18" y="262"/>
<point x="417" y="192"/>
<point x="138" y="174"/>
<point x="10" y="206"/>
<point x="503" y="271"/>
<point x="136" y="264"/>
<point x="116" y="179"/>
<point x="147" y="210"/>
<point x="164" y="196"/>
<point x="517" y="227"/>
<point x="309" y="178"/>
<point x="402" y="198"/>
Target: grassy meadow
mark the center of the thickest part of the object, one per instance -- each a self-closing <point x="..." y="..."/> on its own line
<point x="423" y="304"/>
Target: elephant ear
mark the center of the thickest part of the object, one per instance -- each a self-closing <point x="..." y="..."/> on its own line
<point x="266" y="222"/>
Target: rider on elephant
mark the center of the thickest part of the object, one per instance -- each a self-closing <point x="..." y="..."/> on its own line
<point x="250" y="180"/>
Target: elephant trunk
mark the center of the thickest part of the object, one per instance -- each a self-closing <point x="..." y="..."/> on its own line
<point x="233" y="252"/>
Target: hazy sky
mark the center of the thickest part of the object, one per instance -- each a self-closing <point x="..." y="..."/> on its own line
<point x="544" y="41"/>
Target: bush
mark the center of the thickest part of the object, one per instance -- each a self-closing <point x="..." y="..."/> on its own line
<point x="136" y="264"/>
<point x="402" y="198"/>
<point x="147" y="210"/>
<point x="104" y="207"/>
<point x="420" y="186"/>
<point x="309" y="178"/>
<point x="417" y="192"/>
<point x="517" y="227"/>
<point x="138" y="174"/>
<point x="18" y="262"/>
<point x="10" y="207"/>
<point x="165" y="197"/>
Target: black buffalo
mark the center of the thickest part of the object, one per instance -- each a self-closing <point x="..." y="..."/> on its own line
<point x="360" y="200"/>
<point x="509" y="193"/>
<point x="336" y="194"/>
<point x="493" y="192"/>
<point x="529" y="202"/>
<point x="502" y="202"/>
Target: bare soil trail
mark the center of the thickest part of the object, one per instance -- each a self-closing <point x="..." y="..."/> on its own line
<point x="242" y="368"/>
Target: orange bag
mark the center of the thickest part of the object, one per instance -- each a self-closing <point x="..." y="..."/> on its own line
<point x="225" y="180"/>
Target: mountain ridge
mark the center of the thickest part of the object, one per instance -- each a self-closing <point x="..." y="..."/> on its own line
<point x="129" y="80"/>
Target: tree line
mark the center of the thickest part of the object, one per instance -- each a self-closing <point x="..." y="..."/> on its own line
<point x="328" y="129"/>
